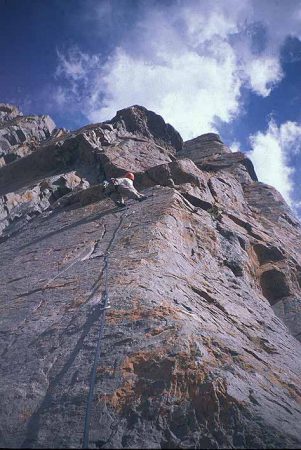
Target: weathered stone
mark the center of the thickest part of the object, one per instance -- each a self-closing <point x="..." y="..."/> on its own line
<point x="192" y="355"/>
<point x="18" y="209"/>
<point x="267" y="254"/>
<point x="203" y="146"/>
<point x="138" y="119"/>
<point x="274" y="285"/>
<point x="22" y="129"/>
<point x="8" y="112"/>
<point x="21" y="135"/>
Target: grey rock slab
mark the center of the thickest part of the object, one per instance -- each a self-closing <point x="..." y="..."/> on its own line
<point x="199" y="348"/>
<point x="164" y="344"/>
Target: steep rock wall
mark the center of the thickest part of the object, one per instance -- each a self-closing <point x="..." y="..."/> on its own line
<point x="193" y="353"/>
<point x="21" y="135"/>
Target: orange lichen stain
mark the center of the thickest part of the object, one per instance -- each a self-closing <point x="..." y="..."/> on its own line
<point x="138" y="313"/>
<point x="159" y="374"/>
<point x="292" y="389"/>
<point x="264" y="344"/>
<point x="139" y="372"/>
<point x="119" y="315"/>
<point x="244" y="363"/>
<point x="27" y="196"/>
<point x="76" y="302"/>
<point x="157" y="331"/>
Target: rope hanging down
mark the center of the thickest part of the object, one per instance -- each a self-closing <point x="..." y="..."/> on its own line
<point x="103" y="307"/>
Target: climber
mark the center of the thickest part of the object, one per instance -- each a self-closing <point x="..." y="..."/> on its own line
<point x="123" y="187"/>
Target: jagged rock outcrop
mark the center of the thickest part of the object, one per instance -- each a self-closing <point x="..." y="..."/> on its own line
<point x="9" y="112"/>
<point x="139" y="120"/>
<point x="21" y="135"/>
<point x="91" y="154"/>
<point x="193" y="354"/>
<point x="203" y="146"/>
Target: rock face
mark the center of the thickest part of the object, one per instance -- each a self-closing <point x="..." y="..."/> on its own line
<point x="9" y="112"/>
<point x="200" y="346"/>
<point x="20" y="135"/>
<point x="205" y="145"/>
<point x="137" y="119"/>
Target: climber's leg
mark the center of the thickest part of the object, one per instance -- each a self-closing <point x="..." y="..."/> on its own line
<point x="117" y="198"/>
<point x="131" y="193"/>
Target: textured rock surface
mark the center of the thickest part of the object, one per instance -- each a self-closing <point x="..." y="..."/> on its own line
<point x="139" y="120"/>
<point x="193" y="353"/>
<point x="203" y="146"/>
<point x="9" y="112"/>
<point x="21" y="135"/>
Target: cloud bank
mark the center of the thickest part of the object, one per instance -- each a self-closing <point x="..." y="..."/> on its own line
<point x="274" y="153"/>
<point x="186" y="60"/>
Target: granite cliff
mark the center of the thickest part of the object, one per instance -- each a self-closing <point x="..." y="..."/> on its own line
<point x="200" y="346"/>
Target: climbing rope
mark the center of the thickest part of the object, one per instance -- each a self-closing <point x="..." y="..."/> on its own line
<point x="103" y="307"/>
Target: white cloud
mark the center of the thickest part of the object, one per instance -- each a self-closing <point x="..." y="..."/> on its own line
<point x="235" y="147"/>
<point x="186" y="89"/>
<point x="59" y="96"/>
<point x="75" y="65"/>
<point x="264" y="74"/>
<point x="186" y="61"/>
<point x="271" y="154"/>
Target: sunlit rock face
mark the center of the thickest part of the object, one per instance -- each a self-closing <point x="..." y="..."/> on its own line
<point x="200" y="346"/>
<point x="20" y="135"/>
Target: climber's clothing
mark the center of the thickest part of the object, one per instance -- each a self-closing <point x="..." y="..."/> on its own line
<point x="120" y="188"/>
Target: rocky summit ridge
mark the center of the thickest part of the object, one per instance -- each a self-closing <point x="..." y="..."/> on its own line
<point x="200" y="347"/>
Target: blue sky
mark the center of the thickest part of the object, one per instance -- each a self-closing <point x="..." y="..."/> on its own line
<point x="229" y="66"/>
